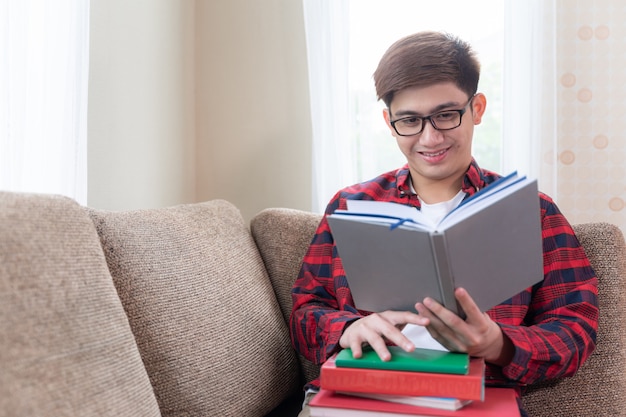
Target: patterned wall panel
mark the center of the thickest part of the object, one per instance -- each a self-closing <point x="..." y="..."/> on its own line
<point x="591" y="111"/>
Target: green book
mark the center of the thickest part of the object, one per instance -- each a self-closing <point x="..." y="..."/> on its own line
<point x="419" y="360"/>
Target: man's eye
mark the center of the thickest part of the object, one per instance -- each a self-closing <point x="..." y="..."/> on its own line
<point x="410" y="121"/>
<point x="446" y="115"/>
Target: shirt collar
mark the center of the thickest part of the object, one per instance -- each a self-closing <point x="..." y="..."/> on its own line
<point x="473" y="180"/>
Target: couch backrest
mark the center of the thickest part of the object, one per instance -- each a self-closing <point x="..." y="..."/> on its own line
<point x="283" y="237"/>
<point x="202" y="309"/>
<point x="598" y="389"/>
<point x="66" y="348"/>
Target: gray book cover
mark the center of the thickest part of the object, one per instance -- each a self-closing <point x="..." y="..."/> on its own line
<point x="493" y="250"/>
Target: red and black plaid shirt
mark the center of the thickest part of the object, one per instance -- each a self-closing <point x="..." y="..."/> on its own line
<point x="552" y="324"/>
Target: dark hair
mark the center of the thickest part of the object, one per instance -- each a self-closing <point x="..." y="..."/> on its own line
<point x="424" y="59"/>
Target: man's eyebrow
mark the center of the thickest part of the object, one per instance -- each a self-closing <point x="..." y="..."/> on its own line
<point x="438" y="108"/>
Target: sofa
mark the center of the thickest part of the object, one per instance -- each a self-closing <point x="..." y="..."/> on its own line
<point x="182" y="311"/>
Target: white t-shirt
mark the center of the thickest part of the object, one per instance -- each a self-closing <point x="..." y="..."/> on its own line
<point x="434" y="212"/>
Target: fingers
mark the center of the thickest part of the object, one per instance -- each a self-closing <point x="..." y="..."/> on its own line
<point x="467" y="304"/>
<point x="378" y="328"/>
<point x="433" y="308"/>
<point x="477" y="334"/>
<point x="357" y="348"/>
<point x="441" y="324"/>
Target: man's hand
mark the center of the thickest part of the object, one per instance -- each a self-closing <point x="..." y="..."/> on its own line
<point x="376" y="329"/>
<point x="477" y="335"/>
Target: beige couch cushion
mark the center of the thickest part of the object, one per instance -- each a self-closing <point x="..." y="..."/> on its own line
<point x="67" y="348"/>
<point x="599" y="386"/>
<point x="283" y="237"/>
<point x="202" y="308"/>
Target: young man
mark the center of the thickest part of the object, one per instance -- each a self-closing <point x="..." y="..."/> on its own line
<point x="428" y="82"/>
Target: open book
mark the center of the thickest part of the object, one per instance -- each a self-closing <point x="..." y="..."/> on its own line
<point x="490" y="245"/>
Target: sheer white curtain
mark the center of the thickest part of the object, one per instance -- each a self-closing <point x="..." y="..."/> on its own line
<point x="529" y="99"/>
<point x="327" y="51"/>
<point x="529" y="115"/>
<point x="43" y="96"/>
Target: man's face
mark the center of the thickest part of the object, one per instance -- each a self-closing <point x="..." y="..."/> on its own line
<point x="436" y="155"/>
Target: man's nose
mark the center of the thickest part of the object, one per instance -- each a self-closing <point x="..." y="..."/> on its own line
<point x="430" y="134"/>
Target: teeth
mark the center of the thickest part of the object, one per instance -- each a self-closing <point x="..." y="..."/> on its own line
<point x="433" y="154"/>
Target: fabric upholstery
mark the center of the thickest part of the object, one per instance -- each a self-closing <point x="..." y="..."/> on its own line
<point x="66" y="344"/>
<point x="598" y="387"/>
<point x="202" y="314"/>
<point x="283" y="236"/>
<point x="202" y="309"/>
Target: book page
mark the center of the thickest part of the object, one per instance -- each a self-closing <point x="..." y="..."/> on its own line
<point x="411" y="217"/>
<point x="390" y="211"/>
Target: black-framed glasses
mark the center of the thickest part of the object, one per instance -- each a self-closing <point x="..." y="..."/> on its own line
<point x="443" y="120"/>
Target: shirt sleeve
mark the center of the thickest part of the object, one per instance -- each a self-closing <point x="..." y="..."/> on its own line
<point x="559" y="329"/>
<point x="322" y="303"/>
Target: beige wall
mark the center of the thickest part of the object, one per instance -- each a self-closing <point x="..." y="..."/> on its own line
<point x="141" y="122"/>
<point x="194" y="100"/>
<point x="254" y="129"/>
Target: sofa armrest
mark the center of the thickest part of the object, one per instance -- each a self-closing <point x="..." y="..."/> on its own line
<point x="599" y="386"/>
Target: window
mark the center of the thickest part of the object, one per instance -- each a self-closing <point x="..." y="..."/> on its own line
<point x="345" y="40"/>
<point x="374" y="28"/>
<point x="43" y="96"/>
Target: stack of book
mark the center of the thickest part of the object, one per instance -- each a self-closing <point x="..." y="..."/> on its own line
<point x="420" y="383"/>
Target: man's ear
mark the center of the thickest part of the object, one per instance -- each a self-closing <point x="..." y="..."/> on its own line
<point x="479" y="104"/>
<point x="387" y="118"/>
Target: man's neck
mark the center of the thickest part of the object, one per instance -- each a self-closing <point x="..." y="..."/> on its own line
<point x="437" y="191"/>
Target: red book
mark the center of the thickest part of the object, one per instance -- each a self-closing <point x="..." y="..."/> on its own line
<point x="499" y="402"/>
<point x="405" y="383"/>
